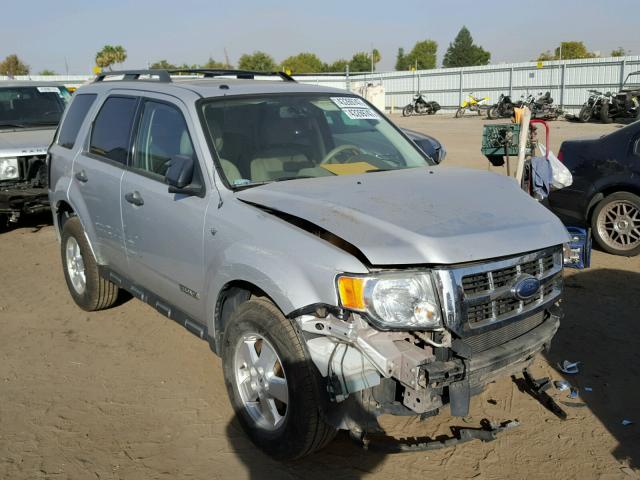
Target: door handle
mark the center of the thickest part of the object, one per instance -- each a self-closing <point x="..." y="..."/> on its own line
<point x="134" y="198"/>
<point x="81" y="176"/>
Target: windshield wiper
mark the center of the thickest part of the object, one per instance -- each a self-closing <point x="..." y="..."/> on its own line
<point x="291" y="177"/>
<point x="12" y="125"/>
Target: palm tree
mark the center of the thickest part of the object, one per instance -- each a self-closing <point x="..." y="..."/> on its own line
<point x="110" y="55"/>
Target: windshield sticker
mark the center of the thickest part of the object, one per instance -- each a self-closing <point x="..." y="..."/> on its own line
<point x="353" y="102"/>
<point x="355" y="108"/>
<point x="49" y="90"/>
<point x="349" y="168"/>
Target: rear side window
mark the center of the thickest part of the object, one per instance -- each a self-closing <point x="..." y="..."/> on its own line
<point x="74" y="118"/>
<point x="112" y="129"/>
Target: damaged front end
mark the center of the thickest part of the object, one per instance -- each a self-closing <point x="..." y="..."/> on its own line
<point x="23" y="186"/>
<point x="486" y="320"/>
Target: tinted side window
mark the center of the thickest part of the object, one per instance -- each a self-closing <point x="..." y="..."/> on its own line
<point x="112" y="129"/>
<point x="162" y="134"/>
<point x="74" y="118"/>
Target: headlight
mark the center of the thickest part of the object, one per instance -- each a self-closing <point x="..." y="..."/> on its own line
<point x="393" y="301"/>
<point x="9" y="168"/>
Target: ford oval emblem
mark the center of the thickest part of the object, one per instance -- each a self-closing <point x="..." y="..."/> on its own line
<point x="526" y="286"/>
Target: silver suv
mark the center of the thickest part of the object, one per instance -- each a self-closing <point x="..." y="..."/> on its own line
<point x="29" y="114"/>
<point x="337" y="270"/>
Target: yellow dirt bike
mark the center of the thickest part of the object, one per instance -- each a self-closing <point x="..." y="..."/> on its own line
<point x="473" y="104"/>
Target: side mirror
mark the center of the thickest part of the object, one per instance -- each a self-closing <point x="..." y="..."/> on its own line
<point x="180" y="176"/>
<point x="179" y="171"/>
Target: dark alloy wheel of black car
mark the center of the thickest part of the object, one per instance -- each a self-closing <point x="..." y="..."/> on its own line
<point x="605" y="194"/>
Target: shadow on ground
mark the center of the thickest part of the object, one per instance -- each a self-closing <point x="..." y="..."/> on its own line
<point x="601" y="330"/>
<point x="35" y="222"/>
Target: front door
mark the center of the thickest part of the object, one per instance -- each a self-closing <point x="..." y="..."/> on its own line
<point x="163" y="231"/>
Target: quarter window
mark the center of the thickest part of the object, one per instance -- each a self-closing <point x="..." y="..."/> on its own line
<point x="112" y="129"/>
<point x="74" y="118"/>
<point x="162" y="135"/>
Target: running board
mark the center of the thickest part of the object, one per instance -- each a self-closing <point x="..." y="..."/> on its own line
<point x="161" y="305"/>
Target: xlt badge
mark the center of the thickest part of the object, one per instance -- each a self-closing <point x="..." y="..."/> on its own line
<point x="188" y="291"/>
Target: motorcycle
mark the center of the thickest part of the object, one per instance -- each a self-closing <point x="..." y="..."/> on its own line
<point x="591" y="108"/>
<point x="504" y="107"/>
<point x="420" y="106"/>
<point x="473" y="104"/>
<point x="542" y="107"/>
<point x="625" y="103"/>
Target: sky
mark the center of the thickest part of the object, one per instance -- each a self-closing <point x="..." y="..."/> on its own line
<point x="67" y="34"/>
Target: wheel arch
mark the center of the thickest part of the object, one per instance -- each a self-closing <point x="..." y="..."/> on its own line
<point x="605" y="192"/>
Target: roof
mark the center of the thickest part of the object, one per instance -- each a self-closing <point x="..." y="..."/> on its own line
<point x="29" y="83"/>
<point x="209" y="87"/>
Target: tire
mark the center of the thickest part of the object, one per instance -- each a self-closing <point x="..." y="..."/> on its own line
<point x="459" y="112"/>
<point x="616" y="224"/>
<point x="300" y="427"/>
<point x="407" y="111"/>
<point x="97" y="293"/>
<point x="585" y="114"/>
<point x="604" y="113"/>
<point x="493" y="112"/>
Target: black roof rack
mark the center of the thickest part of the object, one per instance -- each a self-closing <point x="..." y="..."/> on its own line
<point x="164" y="76"/>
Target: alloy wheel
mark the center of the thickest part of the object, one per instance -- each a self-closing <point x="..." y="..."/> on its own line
<point x="619" y="225"/>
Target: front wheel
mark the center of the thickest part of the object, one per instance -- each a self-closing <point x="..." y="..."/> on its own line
<point x="459" y="112"/>
<point x="585" y="114"/>
<point x="493" y="112"/>
<point x="407" y="111"/>
<point x="275" y="389"/>
<point x="604" y="113"/>
<point x="616" y="224"/>
<point x="87" y="288"/>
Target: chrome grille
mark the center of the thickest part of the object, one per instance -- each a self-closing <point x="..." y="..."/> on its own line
<point x="480" y="295"/>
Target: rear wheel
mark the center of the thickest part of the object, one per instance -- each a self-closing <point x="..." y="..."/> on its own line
<point x="88" y="289"/>
<point x="585" y="114"/>
<point x="275" y="389"/>
<point x="616" y="224"/>
<point x="604" y="113"/>
<point x="407" y="111"/>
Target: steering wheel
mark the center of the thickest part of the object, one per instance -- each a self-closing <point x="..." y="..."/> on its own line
<point x="330" y="157"/>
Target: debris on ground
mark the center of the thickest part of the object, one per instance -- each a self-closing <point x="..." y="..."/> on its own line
<point x="570" y="368"/>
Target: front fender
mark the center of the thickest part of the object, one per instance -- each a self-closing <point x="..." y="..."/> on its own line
<point x="292" y="266"/>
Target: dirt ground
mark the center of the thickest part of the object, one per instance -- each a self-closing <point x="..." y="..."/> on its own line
<point x="127" y="394"/>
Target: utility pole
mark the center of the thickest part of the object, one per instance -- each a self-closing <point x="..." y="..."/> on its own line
<point x="226" y="58"/>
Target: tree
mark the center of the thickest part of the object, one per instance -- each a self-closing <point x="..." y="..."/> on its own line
<point x="619" y="52"/>
<point x="12" y="66"/>
<point x="567" y="51"/>
<point x="110" y="55"/>
<point x="162" y="65"/>
<point x="422" y="55"/>
<point x="401" y="60"/>
<point x="211" y="63"/>
<point x="360" y="62"/>
<point x="464" y="53"/>
<point x="375" y="53"/>
<point x="259" y="61"/>
<point x="46" y="71"/>
<point x="303" y="63"/>
<point x="339" y="65"/>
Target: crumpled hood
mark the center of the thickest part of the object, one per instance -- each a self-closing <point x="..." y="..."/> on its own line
<point x="28" y="141"/>
<point x="429" y="215"/>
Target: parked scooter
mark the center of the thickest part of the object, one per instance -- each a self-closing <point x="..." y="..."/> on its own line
<point x="420" y="106"/>
<point x="473" y="104"/>
<point x="504" y="107"/>
<point x="591" y="108"/>
<point x="542" y="107"/>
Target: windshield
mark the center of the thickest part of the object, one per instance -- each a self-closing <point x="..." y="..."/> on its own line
<point x="29" y="106"/>
<point x="285" y="137"/>
<point x="632" y="81"/>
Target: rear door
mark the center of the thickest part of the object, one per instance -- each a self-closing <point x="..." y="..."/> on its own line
<point x="97" y="173"/>
<point x="163" y="231"/>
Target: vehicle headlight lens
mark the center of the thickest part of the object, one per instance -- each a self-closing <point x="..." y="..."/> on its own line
<point x="9" y="168"/>
<point x="397" y="301"/>
<point x="571" y="255"/>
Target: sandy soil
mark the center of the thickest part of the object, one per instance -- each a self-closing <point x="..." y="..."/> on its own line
<point x="128" y="394"/>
